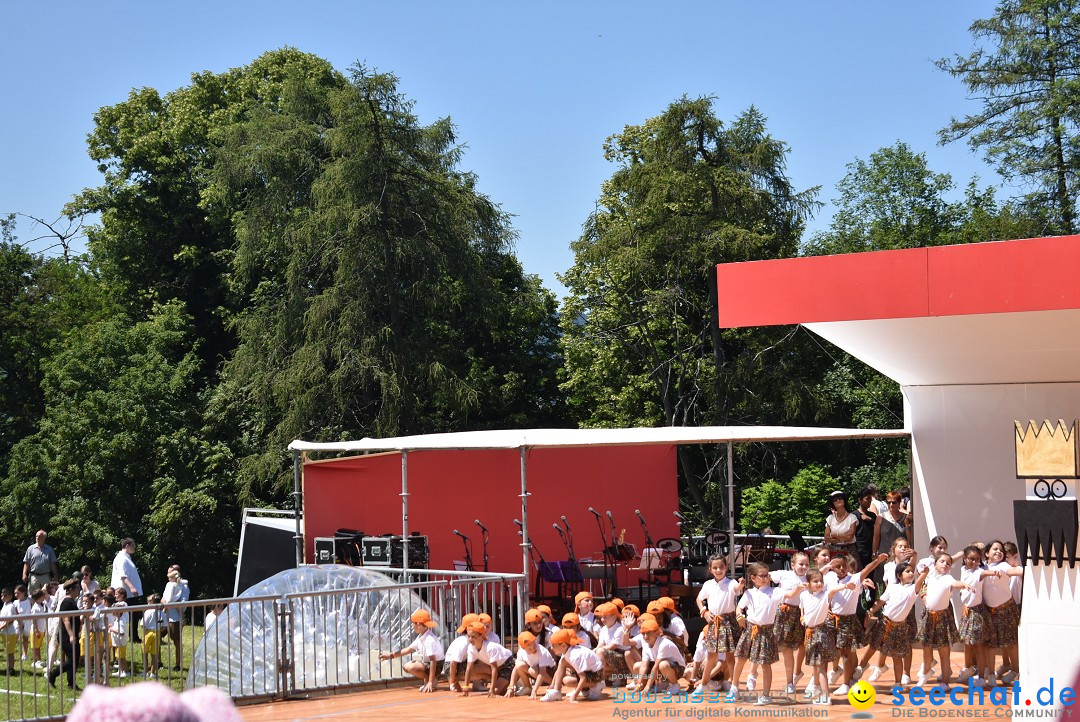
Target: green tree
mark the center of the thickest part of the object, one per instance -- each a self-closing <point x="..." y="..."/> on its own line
<point x="797" y="505"/>
<point x="640" y="336"/>
<point x="118" y="453"/>
<point x="1027" y="77"/>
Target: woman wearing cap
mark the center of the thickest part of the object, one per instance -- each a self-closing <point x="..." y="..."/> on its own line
<point x="498" y="658"/>
<point x="585" y="666"/>
<point x="430" y="648"/>
<point x="534" y="666"/>
<point x="840" y="525"/>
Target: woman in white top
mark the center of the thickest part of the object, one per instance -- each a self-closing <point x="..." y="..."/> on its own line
<point x="840" y="525"/>
<point x="174" y="592"/>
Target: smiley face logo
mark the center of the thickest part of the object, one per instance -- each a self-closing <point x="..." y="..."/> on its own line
<point x="861" y="695"/>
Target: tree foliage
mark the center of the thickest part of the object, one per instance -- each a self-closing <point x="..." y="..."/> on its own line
<point x="797" y="504"/>
<point x="1027" y="76"/>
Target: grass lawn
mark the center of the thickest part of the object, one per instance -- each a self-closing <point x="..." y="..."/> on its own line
<point x="27" y="694"/>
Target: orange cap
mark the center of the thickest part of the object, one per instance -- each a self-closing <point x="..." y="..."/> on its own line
<point x="607" y="609"/>
<point x="581" y="595"/>
<point x="421" y="616"/>
<point x="655" y="607"/>
<point x="534" y="615"/>
<point x="644" y="617"/>
<point x="649" y="625"/>
<point x="570" y="619"/>
<point x="525" y="639"/>
<point x="545" y="609"/>
<point x="618" y="603"/>
<point x="667" y="603"/>
<point x="563" y="636"/>
<point x="466" y="621"/>
<point x="479" y="628"/>
<point x="485" y="619"/>
<point x="632" y="608"/>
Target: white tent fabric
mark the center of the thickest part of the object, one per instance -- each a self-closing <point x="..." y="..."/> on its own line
<point x="538" y="438"/>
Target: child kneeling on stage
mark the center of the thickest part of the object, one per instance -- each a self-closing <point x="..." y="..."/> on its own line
<point x="498" y="658"/>
<point x="534" y="666"/>
<point x="662" y="662"/>
<point x="430" y="648"/>
<point x="584" y="664"/>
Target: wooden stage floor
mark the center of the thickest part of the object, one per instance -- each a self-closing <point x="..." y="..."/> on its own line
<point x="406" y="703"/>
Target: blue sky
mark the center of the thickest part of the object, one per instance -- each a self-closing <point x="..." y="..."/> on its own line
<point x="533" y="88"/>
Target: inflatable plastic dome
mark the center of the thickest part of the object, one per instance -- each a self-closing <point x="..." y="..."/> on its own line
<point x="333" y="635"/>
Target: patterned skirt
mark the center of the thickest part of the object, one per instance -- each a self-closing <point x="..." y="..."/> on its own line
<point x="891" y="638"/>
<point x="975" y="625"/>
<point x="721" y="634"/>
<point x="849" y="632"/>
<point x="506" y="669"/>
<point x="788" y="627"/>
<point x="615" y="662"/>
<point x="820" y="644"/>
<point x="938" y="629"/>
<point x="758" y="644"/>
<point x="1004" y="625"/>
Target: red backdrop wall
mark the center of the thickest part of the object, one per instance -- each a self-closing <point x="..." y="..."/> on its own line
<point x="450" y="489"/>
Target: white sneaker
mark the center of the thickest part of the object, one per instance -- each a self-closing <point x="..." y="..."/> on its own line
<point x="552" y="695"/>
<point x="763" y="699"/>
<point x="842" y="689"/>
<point x="922" y="681"/>
<point x="810" y="691"/>
<point x="856" y="675"/>
<point x="790" y="690"/>
<point x="833" y="676"/>
<point x="823" y="701"/>
<point x="751" y="682"/>
<point x="875" y="674"/>
<point x="597" y="691"/>
<point x="905" y="680"/>
<point x="965" y="673"/>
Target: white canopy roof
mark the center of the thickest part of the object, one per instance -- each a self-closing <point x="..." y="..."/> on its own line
<point x="535" y="438"/>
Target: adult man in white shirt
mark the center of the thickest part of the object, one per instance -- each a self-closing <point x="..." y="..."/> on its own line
<point x="126" y="575"/>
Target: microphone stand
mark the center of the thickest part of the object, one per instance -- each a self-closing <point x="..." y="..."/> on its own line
<point x="604" y="546"/>
<point x="484" y="539"/>
<point x="468" y="554"/>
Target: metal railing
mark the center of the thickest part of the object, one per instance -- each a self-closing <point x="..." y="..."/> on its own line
<point x="267" y="647"/>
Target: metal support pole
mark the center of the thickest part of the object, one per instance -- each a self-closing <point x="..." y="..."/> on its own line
<point x="298" y="504"/>
<point x="404" y="511"/>
<point x="731" y="510"/>
<point x="526" y="545"/>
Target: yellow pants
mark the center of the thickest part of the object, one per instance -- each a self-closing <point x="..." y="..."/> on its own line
<point x="150" y="643"/>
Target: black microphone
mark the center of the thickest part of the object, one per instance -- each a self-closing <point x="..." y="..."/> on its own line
<point x="477" y="522"/>
<point x="610" y="517"/>
<point x="518" y="522"/>
<point x="679" y="516"/>
<point x="460" y="534"/>
<point x="594" y="512"/>
<point x="638" y="512"/>
<point x="564" y="521"/>
<point x="557" y="528"/>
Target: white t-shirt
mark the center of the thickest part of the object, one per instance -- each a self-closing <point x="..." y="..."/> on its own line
<point x="590" y="623"/>
<point x="996" y="589"/>
<point x="118" y="621"/>
<point x="614" y="634"/>
<point x="427" y="645"/>
<point x="889" y="573"/>
<point x="761" y="605"/>
<point x="583" y="639"/>
<point x="815" y="607"/>
<point x="122" y="566"/>
<point x="938" y="592"/>
<point x="10" y="613"/>
<point x="677" y="628"/>
<point x="41" y="607"/>
<point x="663" y="649"/>
<point x="582" y="659"/>
<point x="845" y="601"/>
<point x="489" y="653"/>
<point x="973" y="578"/>
<point x="458" y="651"/>
<point x="899" y="601"/>
<point x="152" y="621"/>
<point x="785" y="581"/>
<point x="719" y="596"/>
<point x="24" y="607"/>
<point x="1016" y="586"/>
<point x="637" y="641"/>
<point x="842" y="528"/>
<point x="541" y="658"/>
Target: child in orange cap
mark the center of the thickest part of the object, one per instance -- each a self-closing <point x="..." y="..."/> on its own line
<point x="572" y="622"/>
<point x="492" y="636"/>
<point x="534" y="666"/>
<point x="499" y="659"/>
<point x="457" y="654"/>
<point x="583" y="607"/>
<point x="672" y="625"/>
<point x="549" y="619"/>
<point x="430" y="648"/>
<point x="662" y="664"/>
<point x="611" y="645"/>
<point x="534" y="624"/>
<point x="582" y="662"/>
<point x="632" y="638"/>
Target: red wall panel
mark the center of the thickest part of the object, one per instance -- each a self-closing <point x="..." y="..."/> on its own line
<point x="450" y="489"/>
